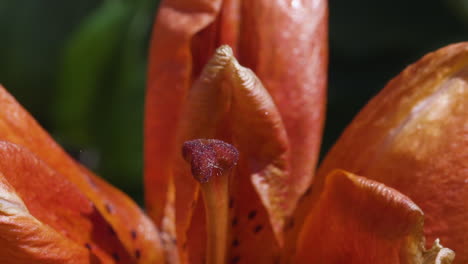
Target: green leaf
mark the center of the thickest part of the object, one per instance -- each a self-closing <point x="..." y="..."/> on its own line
<point x="86" y="60"/>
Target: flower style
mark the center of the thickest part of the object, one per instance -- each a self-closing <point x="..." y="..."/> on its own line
<point x="230" y="155"/>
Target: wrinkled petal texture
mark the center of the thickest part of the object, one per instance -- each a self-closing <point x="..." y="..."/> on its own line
<point x="225" y="102"/>
<point x="413" y="136"/>
<point x="65" y="196"/>
<point x="24" y="239"/>
<point x="357" y="220"/>
<point x="169" y="79"/>
<point x="284" y="43"/>
<point x="58" y="205"/>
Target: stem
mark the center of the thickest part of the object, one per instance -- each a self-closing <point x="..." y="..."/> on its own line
<point x="215" y="195"/>
<point x="212" y="162"/>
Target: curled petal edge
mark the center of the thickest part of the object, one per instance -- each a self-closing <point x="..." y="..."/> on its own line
<point x="17" y="126"/>
<point x="226" y="91"/>
<point x="413" y="136"/>
<point x="24" y="239"/>
<point x="358" y="220"/>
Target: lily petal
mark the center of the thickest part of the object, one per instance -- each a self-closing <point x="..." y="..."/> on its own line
<point x="292" y="59"/>
<point x="357" y="220"/>
<point x="286" y="44"/>
<point x="230" y="103"/>
<point x="169" y="79"/>
<point x="116" y="209"/>
<point x="133" y="227"/>
<point x="50" y="204"/>
<point x="413" y="136"/>
<point x="24" y="239"/>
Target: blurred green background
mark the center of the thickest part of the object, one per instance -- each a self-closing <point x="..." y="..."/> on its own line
<point x="79" y="67"/>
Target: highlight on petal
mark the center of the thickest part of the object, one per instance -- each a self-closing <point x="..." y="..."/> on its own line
<point x="54" y="204"/>
<point x="110" y="207"/>
<point x="290" y="56"/>
<point x="227" y="92"/>
<point x="169" y="77"/>
<point x="286" y="44"/>
<point x="356" y="220"/>
<point x="230" y="103"/>
<point x="246" y="116"/>
<point x="24" y="239"/>
<point x="134" y="229"/>
<point x="413" y="136"/>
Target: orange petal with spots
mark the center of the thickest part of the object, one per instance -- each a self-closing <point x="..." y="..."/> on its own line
<point x="413" y="136"/>
<point x="230" y="103"/>
<point x="47" y="203"/>
<point x="125" y="217"/>
<point x="132" y="226"/>
<point x="285" y="42"/>
<point x="356" y="220"/>
<point x="172" y="67"/>
<point x="25" y="239"/>
<point x="169" y="79"/>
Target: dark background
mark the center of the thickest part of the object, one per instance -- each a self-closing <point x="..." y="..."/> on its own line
<point x="79" y="67"/>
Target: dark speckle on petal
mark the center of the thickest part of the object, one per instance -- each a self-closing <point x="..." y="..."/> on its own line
<point x="290" y="224"/>
<point x="252" y="214"/>
<point x="116" y="257"/>
<point x="108" y="208"/>
<point x="235" y="242"/>
<point x="234" y="222"/>
<point x="112" y="231"/>
<point x="258" y="228"/>
<point x="277" y="260"/>
<point x="235" y="259"/>
<point x="133" y="233"/>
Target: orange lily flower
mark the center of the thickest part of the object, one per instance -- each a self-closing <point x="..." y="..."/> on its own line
<point x="273" y="116"/>
<point x="260" y="201"/>
<point x="53" y="210"/>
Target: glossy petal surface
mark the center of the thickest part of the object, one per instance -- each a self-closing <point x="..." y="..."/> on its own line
<point x="24" y="239"/>
<point x="227" y="101"/>
<point x="285" y="42"/>
<point x="357" y="220"/>
<point x="169" y="79"/>
<point x="413" y="136"/>
<point x="111" y="207"/>
<point x="51" y="205"/>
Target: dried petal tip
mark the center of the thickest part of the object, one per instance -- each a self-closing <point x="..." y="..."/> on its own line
<point x="438" y="255"/>
<point x="208" y="157"/>
<point x="224" y="50"/>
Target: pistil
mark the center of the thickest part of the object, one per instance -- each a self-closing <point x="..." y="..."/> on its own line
<point x="212" y="162"/>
